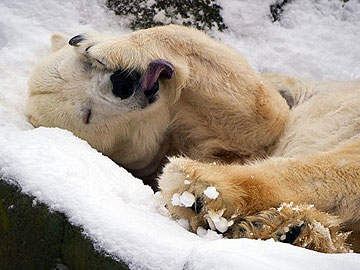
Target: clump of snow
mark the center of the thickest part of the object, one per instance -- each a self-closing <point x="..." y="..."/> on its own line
<point x="211" y="193"/>
<point x="175" y="200"/>
<point x="293" y="207"/>
<point x="316" y="39"/>
<point x="208" y="234"/>
<point x="217" y="222"/>
<point x="187" y="199"/>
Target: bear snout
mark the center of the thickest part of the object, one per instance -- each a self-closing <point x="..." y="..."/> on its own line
<point x="124" y="83"/>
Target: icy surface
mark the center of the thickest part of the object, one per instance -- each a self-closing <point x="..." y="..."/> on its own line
<point x="315" y="39"/>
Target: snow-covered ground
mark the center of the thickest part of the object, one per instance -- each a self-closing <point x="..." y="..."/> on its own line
<point x="318" y="39"/>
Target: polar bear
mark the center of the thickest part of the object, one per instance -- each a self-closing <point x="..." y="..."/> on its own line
<point x="279" y="154"/>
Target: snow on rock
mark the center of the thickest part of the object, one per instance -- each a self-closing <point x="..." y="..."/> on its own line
<point x="150" y="3"/>
<point x="314" y="39"/>
<point x="116" y="210"/>
<point x="161" y="17"/>
<point x="211" y="193"/>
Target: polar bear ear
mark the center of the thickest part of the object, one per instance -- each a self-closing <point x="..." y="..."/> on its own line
<point x="58" y="41"/>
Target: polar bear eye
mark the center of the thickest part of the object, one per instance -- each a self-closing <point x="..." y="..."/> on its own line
<point x="86" y="65"/>
<point x="101" y="63"/>
<point x="89" y="63"/>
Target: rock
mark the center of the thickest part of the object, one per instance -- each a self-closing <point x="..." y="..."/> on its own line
<point x="202" y="14"/>
<point x="32" y="237"/>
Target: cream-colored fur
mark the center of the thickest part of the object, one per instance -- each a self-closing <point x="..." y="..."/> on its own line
<point x="215" y="108"/>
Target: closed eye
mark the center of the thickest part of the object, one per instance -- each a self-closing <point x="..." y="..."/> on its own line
<point x="86" y="65"/>
<point x="89" y="64"/>
<point x="97" y="63"/>
<point x="101" y="63"/>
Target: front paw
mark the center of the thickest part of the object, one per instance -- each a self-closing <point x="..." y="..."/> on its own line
<point x="200" y="194"/>
<point x="95" y="48"/>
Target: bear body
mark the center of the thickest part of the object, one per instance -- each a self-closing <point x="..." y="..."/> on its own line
<point x="172" y="90"/>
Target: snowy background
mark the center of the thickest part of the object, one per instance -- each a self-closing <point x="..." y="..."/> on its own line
<point x="316" y="39"/>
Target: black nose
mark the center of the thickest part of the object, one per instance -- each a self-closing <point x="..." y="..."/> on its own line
<point x="124" y="83"/>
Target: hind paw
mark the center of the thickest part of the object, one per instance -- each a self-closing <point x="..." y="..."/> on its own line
<point x="300" y="225"/>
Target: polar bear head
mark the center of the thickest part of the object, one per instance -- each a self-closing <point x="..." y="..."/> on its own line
<point x="102" y="94"/>
<point x="125" y="94"/>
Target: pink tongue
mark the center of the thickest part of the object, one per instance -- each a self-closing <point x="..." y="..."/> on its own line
<point x="157" y="69"/>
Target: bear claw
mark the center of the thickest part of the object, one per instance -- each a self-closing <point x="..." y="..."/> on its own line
<point x="74" y="41"/>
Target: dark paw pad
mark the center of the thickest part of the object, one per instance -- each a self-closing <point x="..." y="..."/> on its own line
<point x="258" y="225"/>
<point x="291" y="236"/>
<point x="198" y="205"/>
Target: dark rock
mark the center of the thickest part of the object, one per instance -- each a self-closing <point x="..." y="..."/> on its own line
<point x="202" y="14"/>
<point x="32" y="237"/>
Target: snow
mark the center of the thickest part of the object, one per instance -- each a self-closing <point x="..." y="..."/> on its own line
<point x="217" y="222"/>
<point x="211" y="193"/>
<point x="232" y="254"/>
<point x="208" y="234"/>
<point x="184" y="223"/>
<point x="159" y="204"/>
<point x="315" y="39"/>
<point x="187" y="199"/>
<point x="161" y="17"/>
<point x="175" y="200"/>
